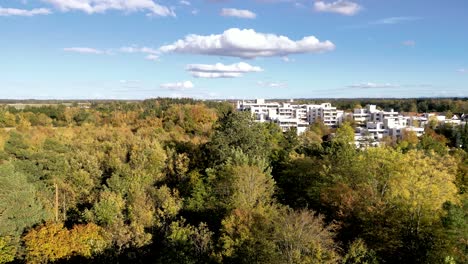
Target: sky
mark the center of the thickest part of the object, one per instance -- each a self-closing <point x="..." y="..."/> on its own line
<point x="233" y="49"/>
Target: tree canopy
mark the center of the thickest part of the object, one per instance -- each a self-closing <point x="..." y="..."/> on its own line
<point x="185" y="181"/>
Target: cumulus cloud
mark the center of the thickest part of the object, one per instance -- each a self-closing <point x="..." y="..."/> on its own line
<point x="247" y="43"/>
<point x="343" y="7"/>
<point x="24" y="12"/>
<point x="272" y="84"/>
<point x="220" y="70"/>
<point x="240" y="13"/>
<point x="84" y="50"/>
<point x="370" y="85"/>
<point x="101" y="6"/>
<point x="178" y="86"/>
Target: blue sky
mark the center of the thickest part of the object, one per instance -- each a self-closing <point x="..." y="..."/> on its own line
<point x="137" y="49"/>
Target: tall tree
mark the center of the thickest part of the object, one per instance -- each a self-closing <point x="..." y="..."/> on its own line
<point x="19" y="205"/>
<point x="238" y="130"/>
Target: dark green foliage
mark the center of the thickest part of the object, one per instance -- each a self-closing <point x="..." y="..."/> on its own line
<point x="20" y="207"/>
<point x="17" y="146"/>
<point x="456" y="231"/>
<point x="237" y="130"/>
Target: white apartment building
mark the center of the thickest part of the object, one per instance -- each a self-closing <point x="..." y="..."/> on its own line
<point x="326" y="113"/>
<point x="374" y="125"/>
<point x="370" y="113"/>
<point x="361" y="115"/>
<point x="288" y="115"/>
<point x="442" y="119"/>
<point x="259" y="109"/>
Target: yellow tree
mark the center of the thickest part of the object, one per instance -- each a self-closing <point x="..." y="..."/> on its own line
<point x="247" y="229"/>
<point x="393" y="199"/>
<point x="51" y="242"/>
<point x="344" y="134"/>
<point x="303" y="238"/>
<point x="7" y="251"/>
<point x="422" y="185"/>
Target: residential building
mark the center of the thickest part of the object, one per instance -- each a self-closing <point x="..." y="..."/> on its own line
<point x="373" y="125"/>
<point x="289" y="115"/>
<point x="326" y="113"/>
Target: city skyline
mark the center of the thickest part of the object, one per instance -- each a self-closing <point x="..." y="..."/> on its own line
<point x="137" y="49"/>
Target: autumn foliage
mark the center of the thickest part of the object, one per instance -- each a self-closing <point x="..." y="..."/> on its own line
<point x="185" y="181"/>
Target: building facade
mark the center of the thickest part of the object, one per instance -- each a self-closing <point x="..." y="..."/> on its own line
<point x="290" y="115"/>
<point x="372" y="125"/>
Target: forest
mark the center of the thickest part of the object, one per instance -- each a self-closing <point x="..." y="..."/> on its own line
<point x="187" y="181"/>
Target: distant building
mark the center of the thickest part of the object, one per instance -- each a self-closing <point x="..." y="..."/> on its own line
<point x="326" y="113"/>
<point x="289" y="115"/>
<point x="374" y="124"/>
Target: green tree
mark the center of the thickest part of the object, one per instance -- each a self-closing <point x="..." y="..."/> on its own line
<point x="237" y="130"/>
<point x="358" y="253"/>
<point x="248" y="192"/>
<point x="188" y="244"/>
<point x="7" y="119"/>
<point x="17" y="146"/>
<point x="19" y="205"/>
<point x="344" y="134"/>
<point x="393" y="199"/>
<point x="454" y="236"/>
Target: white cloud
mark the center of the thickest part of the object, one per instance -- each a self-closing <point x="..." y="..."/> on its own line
<point x="219" y="67"/>
<point x="370" y="85"/>
<point x="24" y="12"/>
<point x="220" y="70"/>
<point x="151" y="54"/>
<point x="101" y="6"/>
<point x="299" y="5"/>
<point x="287" y="59"/>
<point x="462" y="70"/>
<point x="395" y="20"/>
<point x="247" y="43"/>
<point x="232" y="12"/>
<point x="178" y="86"/>
<point x="84" y="50"/>
<point x="277" y="1"/>
<point x="272" y="84"/>
<point x="152" y="57"/>
<point x="343" y="7"/>
<point x="215" y="75"/>
<point x="410" y="43"/>
<point x="136" y="49"/>
<point x="184" y="2"/>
